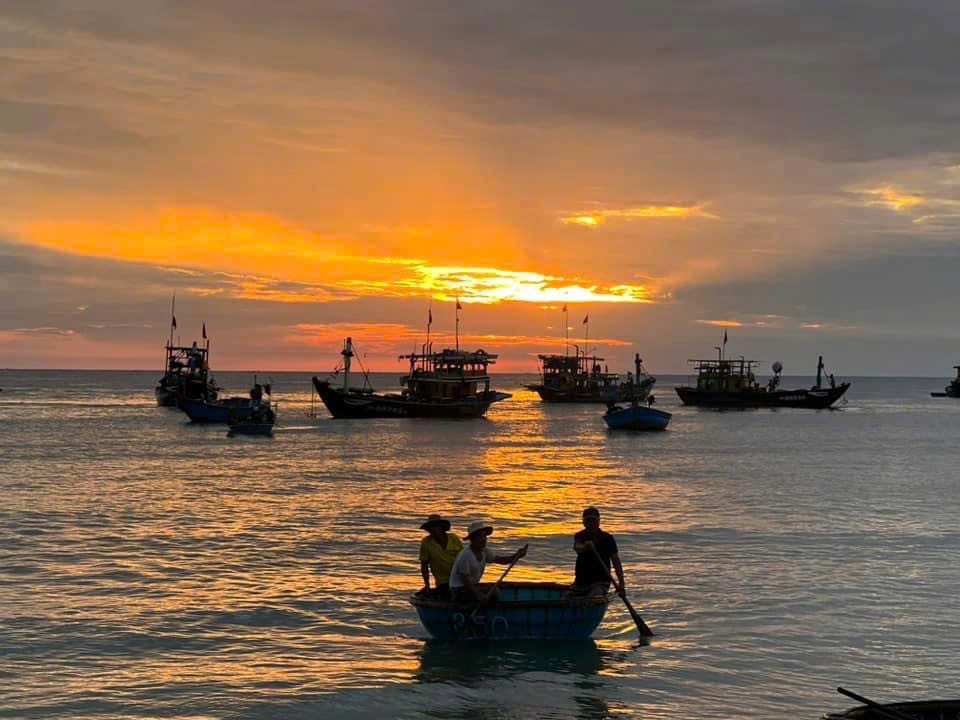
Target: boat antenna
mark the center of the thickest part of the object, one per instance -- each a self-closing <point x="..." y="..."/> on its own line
<point x="429" y="323"/>
<point x="566" y="332"/>
<point x="459" y="308"/>
<point x="173" y="317"/>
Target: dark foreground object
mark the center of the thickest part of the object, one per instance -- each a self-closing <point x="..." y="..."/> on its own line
<point x="922" y="710"/>
<point x="524" y="611"/>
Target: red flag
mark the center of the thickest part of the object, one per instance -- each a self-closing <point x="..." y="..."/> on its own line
<point x="724" y="337"/>
<point x="173" y="322"/>
<point x="586" y="319"/>
<point x="204" y="331"/>
<point x="564" y="307"/>
<point x="459" y="306"/>
<point x="429" y="317"/>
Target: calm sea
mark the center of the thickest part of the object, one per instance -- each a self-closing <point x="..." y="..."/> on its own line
<point x="150" y="568"/>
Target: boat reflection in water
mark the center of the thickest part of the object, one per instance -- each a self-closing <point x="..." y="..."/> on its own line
<point x="441" y="661"/>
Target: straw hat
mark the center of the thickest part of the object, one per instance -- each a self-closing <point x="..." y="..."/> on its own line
<point x="436" y="520"/>
<point x="479" y="525"/>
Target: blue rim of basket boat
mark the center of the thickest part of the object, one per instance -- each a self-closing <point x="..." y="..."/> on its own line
<point x="525" y="610"/>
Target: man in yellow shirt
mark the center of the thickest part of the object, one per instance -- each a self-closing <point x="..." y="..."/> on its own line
<point x="438" y="550"/>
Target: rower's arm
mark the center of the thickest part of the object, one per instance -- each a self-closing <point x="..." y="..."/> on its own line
<point x="425" y="572"/>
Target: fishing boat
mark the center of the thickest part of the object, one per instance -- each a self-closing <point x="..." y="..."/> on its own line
<point x="446" y="384"/>
<point x="917" y="710"/>
<point x="580" y="378"/>
<point x="187" y="376"/>
<point x="953" y="389"/>
<point x="726" y="383"/>
<point x="258" y="419"/>
<point x="186" y="372"/>
<point x="221" y="411"/>
<point x="523" y="611"/>
<point x="636" y="417"/>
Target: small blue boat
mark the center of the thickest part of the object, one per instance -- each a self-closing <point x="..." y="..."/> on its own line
<point x="215" y="411"/>
<point x="636" y="417"/>
<point x="524" y="611"/>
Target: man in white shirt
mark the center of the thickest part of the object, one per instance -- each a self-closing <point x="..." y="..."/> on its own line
<point x="468" y="568"/>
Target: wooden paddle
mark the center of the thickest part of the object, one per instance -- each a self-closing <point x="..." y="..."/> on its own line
<point x="496" y="585"/>
<point x="876" y="707"/>
<point x="641" y="625"/>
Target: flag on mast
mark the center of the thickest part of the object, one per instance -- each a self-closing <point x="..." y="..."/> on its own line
<point x="586" y="319"/>
<point x="429" y="317"/>
<point x="564" y="307"/>
<point x="459" y="306"/>
<point x="204" y="332"/>
<point x="173" y="322"/>
<point x="724" y="337"/>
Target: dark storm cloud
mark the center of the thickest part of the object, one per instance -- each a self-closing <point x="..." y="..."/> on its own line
<point x="848" y="81"/>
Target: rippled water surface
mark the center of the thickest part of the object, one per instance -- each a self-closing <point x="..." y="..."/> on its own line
<point x="153" y="568"/>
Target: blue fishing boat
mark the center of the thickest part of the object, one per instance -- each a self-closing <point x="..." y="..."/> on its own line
<point x="214" y="411"/>
<point x="636" y="417"/>
<point x="228" y="409"/>
<point x="523" y="611"/>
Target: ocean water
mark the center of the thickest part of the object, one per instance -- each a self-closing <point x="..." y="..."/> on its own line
<point x="150" y="568"/>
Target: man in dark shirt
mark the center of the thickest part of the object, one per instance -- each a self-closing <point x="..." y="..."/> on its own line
<point x="593" y="573"/>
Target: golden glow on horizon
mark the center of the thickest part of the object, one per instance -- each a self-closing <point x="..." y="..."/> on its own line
<point x="597" y="218"/>
<point x="394" y="338"/>
<point x="253" y="257"/>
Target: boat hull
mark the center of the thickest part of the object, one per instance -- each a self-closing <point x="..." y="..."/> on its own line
<point x="922" y="710"/>
<point x="358" y="405"/>
<point x="220" y="411"/>
<point x="637" y="418"/>
<point x="811" y="399"/>
<point x="524" y="611"/>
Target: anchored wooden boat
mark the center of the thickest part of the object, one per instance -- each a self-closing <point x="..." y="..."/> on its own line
<point x="579" y="378"/>
<point x="732" y="384"/>
<point x="446" y="384"/>
<point x="953" y="389"/>
<point x="920" y="710"/>
<point x="524" y="611"/>
<point x="258" y="418"/>
<point x="636" y="417"/>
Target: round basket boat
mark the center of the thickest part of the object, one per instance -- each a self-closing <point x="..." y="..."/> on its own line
<point x="524" y="611"/>
<point x="921" y="710"/>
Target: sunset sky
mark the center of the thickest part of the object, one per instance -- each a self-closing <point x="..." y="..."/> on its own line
<point x="296" y="171"/>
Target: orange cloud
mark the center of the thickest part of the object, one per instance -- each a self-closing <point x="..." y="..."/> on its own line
<point x="254" y="257"/>
<point x="596" y="218"/>
<point x="722" y="323"/>
<point x="892" y="198"/>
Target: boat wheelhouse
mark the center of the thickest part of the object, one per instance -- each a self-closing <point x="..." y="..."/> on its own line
<point x="726" y="383"/>
<point x="186" y="376"/>
<point x="446" y="384"/>
<point x="580" y="378"/>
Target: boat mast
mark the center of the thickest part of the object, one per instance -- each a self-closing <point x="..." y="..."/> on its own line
<point x="566" y="332"/>
<point x="347" y="353"/>
<point x="819" y="371"/>
<point x="457" y="331"/>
